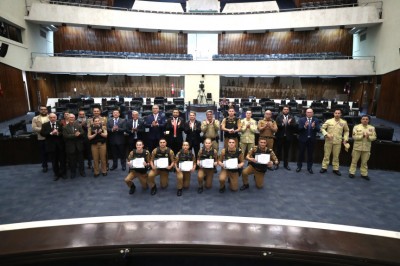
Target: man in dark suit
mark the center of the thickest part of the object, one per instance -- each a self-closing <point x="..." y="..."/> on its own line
<point x="155" y="126"/>
<point x="192" y="130"/>
<point x="308" y="129"/>
<point x="135" y="130"/>
<point x="73" y="136"/>
<point x="55" y="148"/>
<point x="116" y="128"/>
<point x="286" y="127"/>
<point x="86" y="145"/>
<point x="173" y="131"/>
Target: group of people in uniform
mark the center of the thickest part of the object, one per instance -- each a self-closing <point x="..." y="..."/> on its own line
<point x="157" y="146"/>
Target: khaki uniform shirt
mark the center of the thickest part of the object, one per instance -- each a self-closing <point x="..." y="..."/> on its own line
<point x="253" y="151"/>
<point x="37" y="123"/>
<point x="224" y="151"/>
<point x="267" y="132"/>
<point x="338" y="129"/>
<point x="210" y="130"/>
<point x="171" y="154"/>
<point x="146" y="158"/>
<point x="360" y="142"/>
<point x="248" y="134"/>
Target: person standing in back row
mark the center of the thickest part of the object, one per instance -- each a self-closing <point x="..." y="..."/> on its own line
<point x="308" y="129"/>
<point x="210" y="128"/>
<point x="286" y="127"/>
<point x="336" y="132"/>
<point x="267" y="128"/>
<point x="37" y="123"/>
<point x="73" y="136"/>
<point x="192" y="130"/>
<point x="173" y="131"/>
<point x="116" y="128"/>
<point x="363" y="136"/>
<point x="231" y="126"/>
<point x="248" y="129"/>
<point x="155" y="126"/>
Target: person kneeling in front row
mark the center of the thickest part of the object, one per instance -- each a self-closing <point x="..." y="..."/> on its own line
<point x="185" y="164"/>
<point x="231" y="160"/>
<point x="162" y="161"/>
<point x="207" y="162"/>
<point x="138" y="163"/>
<point x="260" y="157"/>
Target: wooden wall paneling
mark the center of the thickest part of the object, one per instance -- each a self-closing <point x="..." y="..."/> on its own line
<point x="317" y="41"/>
<point x="389" y="104"/>
<point x="13" y="101"/>
<point x="108" y="86"/>
<point x="82" y="38"/>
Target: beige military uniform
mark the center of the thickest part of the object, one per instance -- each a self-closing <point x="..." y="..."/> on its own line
<point x="183" y="177"/>
<point x="340" y="132"/>
<point x="206" y="173"/>
<point x="268" y="132"/>
<point x="233" y="175"/>
<point x="37" y="123"/>
<point x="250" y="169"/>
<point x="142" y="174"/>
<point x="211" y="131"/>
<point x="247" y="139"/>
<point x="362" y="147"/>
<point x="162" y="173"/>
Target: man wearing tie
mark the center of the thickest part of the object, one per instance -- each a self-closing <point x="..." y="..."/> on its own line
<point x="52" y="131"/>
<point x="286" y="127"/>
<point x="173" y="131"/>
<point x="308" y="128"/>
<point x="135" y="130"/>
<point x="192" y="130"/>
<point x="116" y="128"/>
<point x="155" y="125"/>
<point x="73" y="136"/>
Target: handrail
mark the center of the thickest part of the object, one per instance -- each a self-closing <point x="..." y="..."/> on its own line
<point x="214" y="13"/>
<point x="150" y="57"/>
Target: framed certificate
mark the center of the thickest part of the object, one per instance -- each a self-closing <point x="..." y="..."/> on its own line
<point x="161" y="163"/>
<point x="231" y="163"/>
<point x="137" y="163"/>
<point x="186" y="166"/>
<point x="263" y="158"/>
<point x="207" y="163"/>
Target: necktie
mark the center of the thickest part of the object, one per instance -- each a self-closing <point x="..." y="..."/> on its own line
<point x="53" y="126"/>
<point x="134" y="126"/>
<point x="115" y="122"/>
<point x="285" y="121"/>
<point x="175" y="124"/>
<point x="309" y="127"/>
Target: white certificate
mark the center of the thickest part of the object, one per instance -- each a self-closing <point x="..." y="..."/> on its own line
<point x="161" y="163"/>
<point x="207" y="163"/>
<point x="231" y="163"/>
<point x="137" y="163"/>
<point x="263" y="158"/>
<point x="186" y="166"/>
